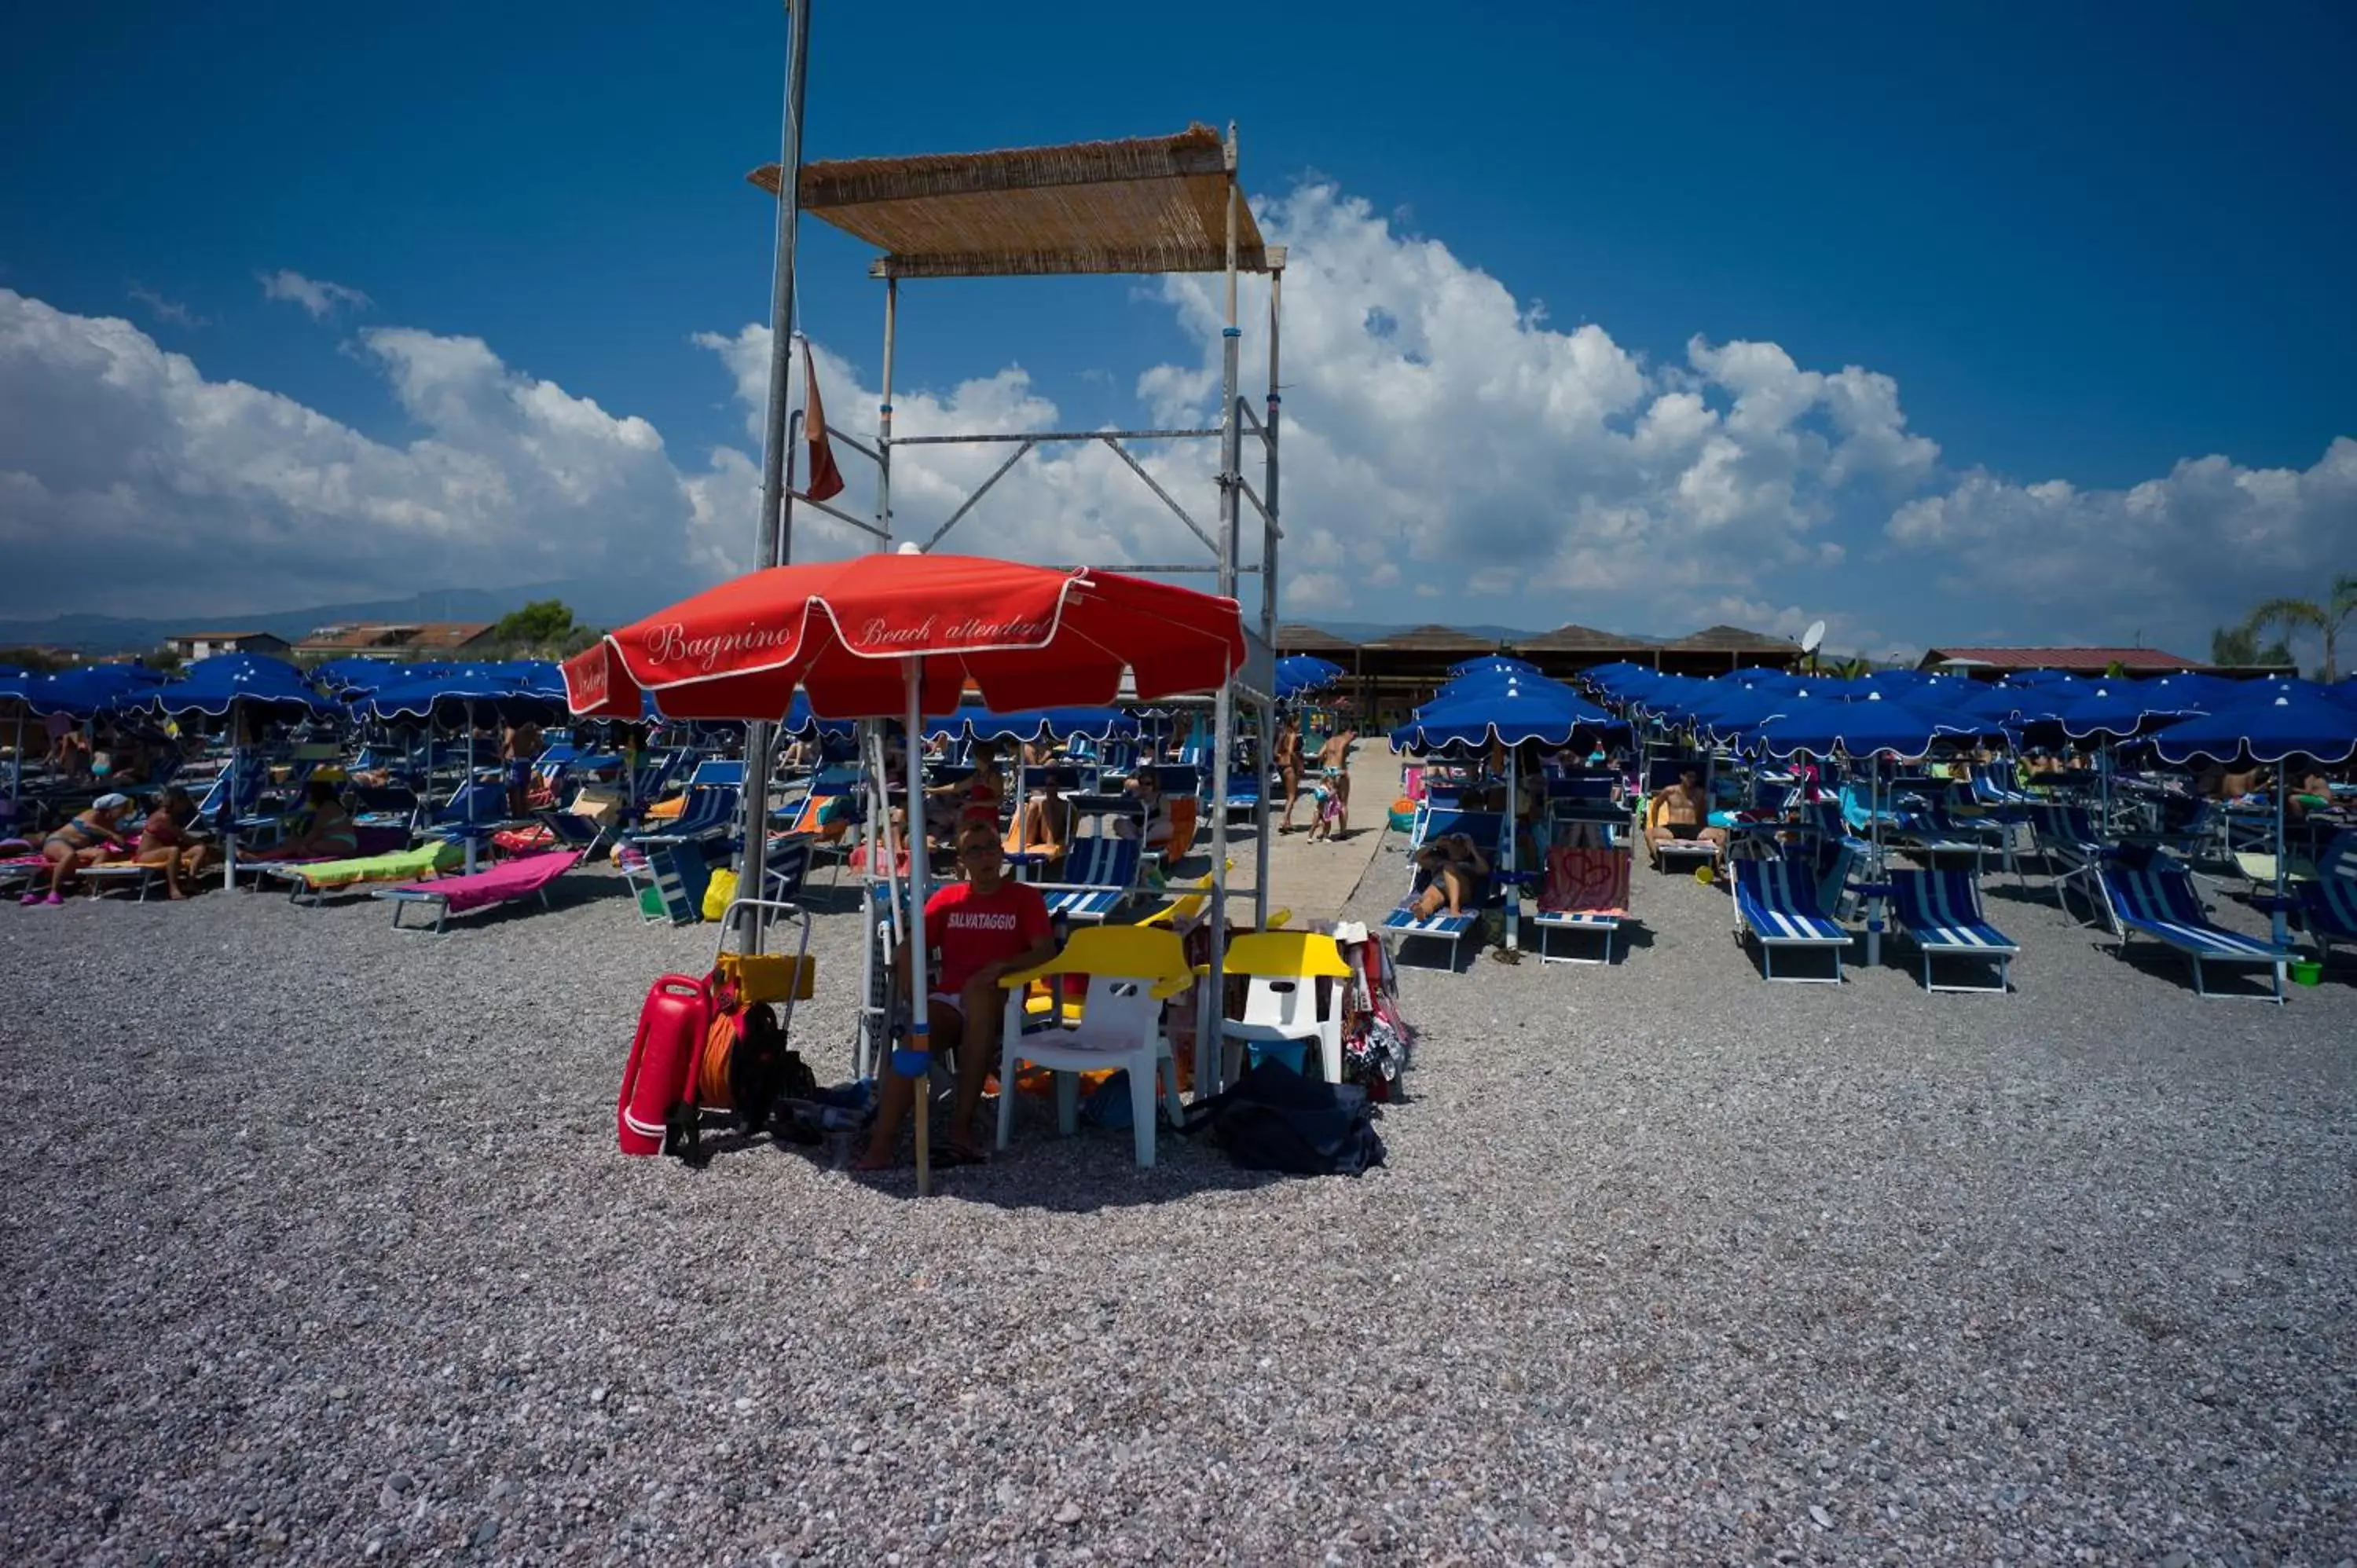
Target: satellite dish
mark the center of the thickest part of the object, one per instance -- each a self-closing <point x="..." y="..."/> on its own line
<point x="1811" y="639"/>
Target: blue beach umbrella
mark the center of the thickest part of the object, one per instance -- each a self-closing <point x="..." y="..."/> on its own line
<point x="2279" y="721"/>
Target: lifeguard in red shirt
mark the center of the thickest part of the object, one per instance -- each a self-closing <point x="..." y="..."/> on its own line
<point x="984" y="928"/>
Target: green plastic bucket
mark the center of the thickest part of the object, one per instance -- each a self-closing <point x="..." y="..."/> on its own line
<point x="2306" y="971"/>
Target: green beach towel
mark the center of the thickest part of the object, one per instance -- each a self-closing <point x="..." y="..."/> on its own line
<point x="403" y="865"/>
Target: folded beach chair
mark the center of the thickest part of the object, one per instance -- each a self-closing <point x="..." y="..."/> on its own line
<point x="2066" y="839"/>
<point x="2328" y="904"/>
<point x="1941" y="912"/>
<point x="715" y="798"/>
<point x="310" y="882"/>
<point x="1100" y="864"/>
<point x="1776" y="905"/>
<point x="2158" y="900"/>
<point x="1839" y="863"/>
<point x="1993" y="785"/>
<point x="668" y="879"/>
<point x="1586" y="891"/>
<point x="502" y="884"/>
<point x="1403" y="925"/>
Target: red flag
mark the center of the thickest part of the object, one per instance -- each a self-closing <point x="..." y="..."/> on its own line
<point x="826" y="478"/>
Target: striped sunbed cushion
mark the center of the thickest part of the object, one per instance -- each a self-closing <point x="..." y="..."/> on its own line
<point x="1085" y="903"/>
<point x="2160" y="902"/>
<point x="1781" y="907"/>
<point x="1450" y="926"/>
<point x="1605" y="918"/>
<point x="1942" y="909"/>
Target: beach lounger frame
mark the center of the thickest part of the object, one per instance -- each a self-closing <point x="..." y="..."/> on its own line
<point x="1603" y="920"/>
<point x="1776" y="906"/>
<point x="1940" y="913"/>
<point x="443" y="892"/>
<point x="1402" y="926"/>
<point x="2160" y="901"/>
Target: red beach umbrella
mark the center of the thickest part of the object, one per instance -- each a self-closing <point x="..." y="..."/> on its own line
<point x="901" y="636"/>
<point x="1029" y="637"/>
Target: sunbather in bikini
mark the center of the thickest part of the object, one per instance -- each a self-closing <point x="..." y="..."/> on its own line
<point x="326" y="833"/>
<point x="89" y="838"/>
<point x="166" y="841"/>
<point x="1458" y="867"/>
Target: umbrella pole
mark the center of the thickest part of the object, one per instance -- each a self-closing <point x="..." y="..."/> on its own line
<point x="229" y="827"/>
<point x="1874" y="904"/>
<point x="2278" y="927"/>
<point x="1511" y="838"/>
<point x="468" y="795"/>
<point x="919" y="1024"/>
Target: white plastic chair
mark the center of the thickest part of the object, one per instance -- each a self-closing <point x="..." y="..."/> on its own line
<point x="1281" y="1000"/>
<point x="1132" y="970"/>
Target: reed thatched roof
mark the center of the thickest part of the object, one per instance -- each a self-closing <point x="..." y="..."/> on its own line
<point x="1579" y="639"/>
<point x="1732" y="639"/>
<point x="1435" y="639"/>
<point x="1296" y="637"/>
<point x="1150" y="204"/>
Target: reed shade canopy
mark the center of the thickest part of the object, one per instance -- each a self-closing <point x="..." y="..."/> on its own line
<point x="1147" y="204"/>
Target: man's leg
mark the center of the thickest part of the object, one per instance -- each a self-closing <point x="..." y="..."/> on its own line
<point x="977" y="1054"/>
<point x="898" y="1093"/>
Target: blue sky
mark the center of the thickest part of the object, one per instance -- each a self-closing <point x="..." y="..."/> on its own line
<point x="2083" y="247"/>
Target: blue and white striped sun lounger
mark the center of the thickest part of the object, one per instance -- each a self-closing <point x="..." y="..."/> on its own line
<point x="2160" y="901"/>
<point x="1102" y="864"/>
<point x="1403" y="925"/>
<point x="2328" y="904"/>
<point x="1776" y="906"/>
<point x="1993" y="785"/>
<point x="2066" y="840"/>
<point x="1103" y="869"/>
<point x="1941" y="912"/>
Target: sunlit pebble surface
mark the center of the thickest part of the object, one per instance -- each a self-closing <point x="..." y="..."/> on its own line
<point x="319" y="1249"/>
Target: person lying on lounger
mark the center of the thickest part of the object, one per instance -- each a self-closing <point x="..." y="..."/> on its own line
<point x="1457" y="869"/>
<point x="1681" y="813"/>
<point x="166" y="841"/>
<point x="94" y="836"/>
<point x="1044" y="826"/>
<point x="323" y="830"/>
<point x="986" y="927"/>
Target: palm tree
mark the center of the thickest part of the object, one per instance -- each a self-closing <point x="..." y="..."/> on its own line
<point x="2289" y="616"/>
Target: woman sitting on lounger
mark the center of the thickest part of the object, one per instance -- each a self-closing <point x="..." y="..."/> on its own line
<point x="1456" y="868"/>
<point x="166" y="841"/>
<point x="91" y="837"/>
<point x="1044" y="826"/>
<point x="326" y="832"/>
<point x="1681" y="813"/>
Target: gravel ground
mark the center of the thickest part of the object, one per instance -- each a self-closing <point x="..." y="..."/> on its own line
<point x="320" y="1250"/>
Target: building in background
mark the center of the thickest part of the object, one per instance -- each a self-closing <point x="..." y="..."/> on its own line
<point x="396" y="639"/>
<point x="195" y="645"/>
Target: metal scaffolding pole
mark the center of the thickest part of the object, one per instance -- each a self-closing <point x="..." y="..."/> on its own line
<point x="884" y="412"/>
<point x="770" y="541"/>
<point x="1269" y="535"/>
<point x="1210" y="1052"/>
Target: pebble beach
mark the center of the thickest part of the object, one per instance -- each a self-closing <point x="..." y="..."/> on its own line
<point x="319" y="1250"/>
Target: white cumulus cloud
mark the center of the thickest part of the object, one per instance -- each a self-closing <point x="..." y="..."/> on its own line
<point x="318" y="298"/>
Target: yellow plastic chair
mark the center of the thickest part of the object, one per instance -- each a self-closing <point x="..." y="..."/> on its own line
<point x="1132" y="970"/>
<point x="1281" y="1001"/>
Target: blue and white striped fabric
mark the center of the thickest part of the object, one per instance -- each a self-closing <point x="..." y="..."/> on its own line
<point x="1447" y="926"/>
<point x="2066" y="831"/>
<point x="1942" y="909"/>
<point x="1101" y="872"/>
<point x="1993" y="785"/>
<point x="1777" y="902"/>
<point x="711" y="810"/>
<point x="2161" y="901"/>
<point x="2328" y="904"/>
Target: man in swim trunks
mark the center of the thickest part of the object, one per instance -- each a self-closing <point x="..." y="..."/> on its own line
<point x="986" y="927"/>
<point x="1680" y="813"/>
<point x="1334" y="781"/>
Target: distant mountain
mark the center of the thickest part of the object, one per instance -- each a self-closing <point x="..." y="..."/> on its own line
<point x="1371" y="631"/>
<point x="597" y="604"/>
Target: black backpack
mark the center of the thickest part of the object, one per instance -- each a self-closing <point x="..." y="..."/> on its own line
<point x="1273" y="1119"/>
